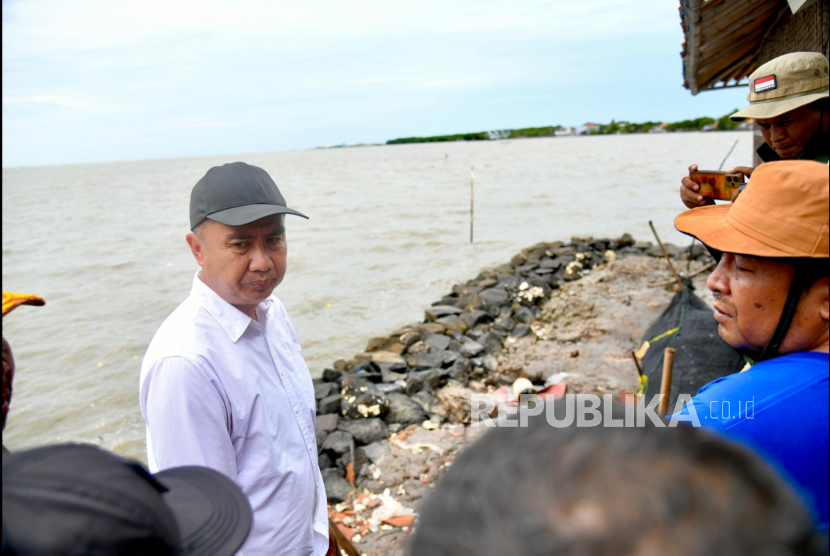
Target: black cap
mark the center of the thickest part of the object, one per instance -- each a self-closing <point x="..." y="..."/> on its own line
<point x="236" y="194"/>
<point x="78" y="499"/>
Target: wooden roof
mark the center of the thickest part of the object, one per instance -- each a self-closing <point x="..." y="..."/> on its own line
<point x="723" y="40"/>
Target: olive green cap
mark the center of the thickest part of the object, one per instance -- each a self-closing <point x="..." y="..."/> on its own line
<point x="784" y="84"/>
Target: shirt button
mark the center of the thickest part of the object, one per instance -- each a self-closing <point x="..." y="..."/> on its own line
<point x="296" y="410"/>
<point x="309" y="447"/>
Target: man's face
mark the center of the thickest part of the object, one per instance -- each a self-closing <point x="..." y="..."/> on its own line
<point x="749" y="295"/>
<point x="789" y="133"/>
<point x="243" y="264"/>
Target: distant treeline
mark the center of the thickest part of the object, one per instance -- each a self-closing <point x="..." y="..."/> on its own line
<point x="698" y="124"/>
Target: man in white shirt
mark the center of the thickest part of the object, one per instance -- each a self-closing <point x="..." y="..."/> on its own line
<point x="223" y="383"/>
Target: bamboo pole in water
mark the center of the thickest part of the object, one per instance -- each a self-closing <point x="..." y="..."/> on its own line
<point x="472" y="184"/>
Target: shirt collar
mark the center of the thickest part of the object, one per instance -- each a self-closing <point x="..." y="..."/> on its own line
<point x="233" y="321"/>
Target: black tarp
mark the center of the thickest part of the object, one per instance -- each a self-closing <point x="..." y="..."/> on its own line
<point x="701" y="356"/>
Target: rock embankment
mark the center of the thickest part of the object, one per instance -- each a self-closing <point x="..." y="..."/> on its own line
<point x="426" y="371"/>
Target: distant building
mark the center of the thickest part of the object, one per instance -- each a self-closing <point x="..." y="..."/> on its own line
<point x="587" y="129"/>
<point x="747" y="124"/>
<point x="565" y="131"/>
<point x="498" y="134"/>
<point x="659" y="128"/>
<point x="711" y="127"/>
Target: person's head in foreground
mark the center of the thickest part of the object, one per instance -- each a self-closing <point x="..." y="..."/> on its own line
<point x="77" y="499"/>
<point x="771" y="283"/>
<point x="644" y="491"/>
<point x="788" y="97"/>
<point x="237" y="218"/>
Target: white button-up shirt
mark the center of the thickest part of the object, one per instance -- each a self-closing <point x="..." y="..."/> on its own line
<point x="221" y="390"/>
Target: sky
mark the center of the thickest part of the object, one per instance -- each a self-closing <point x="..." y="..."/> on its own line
<point x="97" y="80"/>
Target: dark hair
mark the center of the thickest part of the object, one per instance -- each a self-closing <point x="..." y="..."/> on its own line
<point x="820" y="104"/>
<point x="544" y="491"/>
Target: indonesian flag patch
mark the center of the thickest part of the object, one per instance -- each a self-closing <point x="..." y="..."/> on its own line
<point x="765" y="84"/>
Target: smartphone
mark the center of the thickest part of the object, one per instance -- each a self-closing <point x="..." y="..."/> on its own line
<point x="717" y="185"/>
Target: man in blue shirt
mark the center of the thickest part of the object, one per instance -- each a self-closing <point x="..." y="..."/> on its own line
<point x="771" y="302"/>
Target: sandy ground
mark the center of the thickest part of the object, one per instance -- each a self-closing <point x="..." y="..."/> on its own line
<point x="587" y="329"/>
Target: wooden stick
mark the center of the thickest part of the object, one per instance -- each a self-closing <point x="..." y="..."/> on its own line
<point x="695" y="273"/>
<point x="665" y="385"/>
<point x="639" y="369"/>
<point x="665" y="254"/>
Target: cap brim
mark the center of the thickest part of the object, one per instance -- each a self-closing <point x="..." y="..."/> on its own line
<point x="710" y="226"/>
<point x="774" y="108"/>
<point x="213" y="515"/>
<point x="239" y="216"/>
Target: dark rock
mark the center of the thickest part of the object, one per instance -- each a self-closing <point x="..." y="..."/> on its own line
<point x="340" y="365"/>
<point x="520" y="331"/>
<point x="324" y="461"/>
<point x="475" y="318"/>
<point x="471" y="348"/>
<point x="492" y="343"/>
<point x="326" y="423"/>
<point x="470" y="301"/>
<point x="552" y="264"/>
<point x="437" y="342"/>
<point x="454" y="344"/>
<point x="432" y="405"/>
<point x="432" y="327"/>
<point x="387" y="388"/>
<point x="523" y="315"/>
<point x="487" y="362"/>
<point x="410" y="337"/>
<point x="423" y="361"/>
<point x="329" y="404"/>
<point x="420" y="380"/>
<point x="376" y="450"/>
<point x="338" y="442"/>
<point x="460" y="369"/>
<point x="452" y="322"/>
<point x="448" y="357"/>
<point x="364" y="431"/>
<point x="404" y="411"/>
<point x="332" y="375"/>
<point x="360" y="460"/>
<point x="525" y="268"/>
<point x="324" y="390"/>
<point x="392" y="376"/>
<point x="625" y="240"/>
<point x="338" y="488"/>
<point x="418" y="347"/>
<point x="494" y="297"/>
<point x="361" y="398"/>
<point x="505" y="322"/>
<point x="487" y="283"/>
<point x="435" y="313"/>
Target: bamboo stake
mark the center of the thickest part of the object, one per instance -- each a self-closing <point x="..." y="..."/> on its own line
<point x="472" y="184"/>
<point x="665" y="385"/>
<point x="692" y="275"/>
<point x="665" y="254"/>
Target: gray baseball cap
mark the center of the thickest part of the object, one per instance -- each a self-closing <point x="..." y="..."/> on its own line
<point x="236" y="194"/>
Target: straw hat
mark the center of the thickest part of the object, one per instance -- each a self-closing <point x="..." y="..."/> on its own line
<point x="784" y="84"/>
<point x="12" y="300"/>
<point x="782" y="213"/>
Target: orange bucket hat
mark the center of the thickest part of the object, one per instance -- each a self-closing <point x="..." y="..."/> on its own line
<point x="783" y="213"/>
